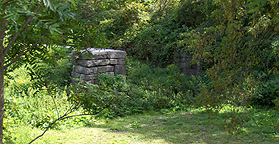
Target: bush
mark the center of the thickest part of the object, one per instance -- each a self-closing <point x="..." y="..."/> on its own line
<point x="158" y="43"/>
<point x="267" y="91"/>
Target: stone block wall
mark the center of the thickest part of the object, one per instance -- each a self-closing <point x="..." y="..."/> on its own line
<point x="88" y="63"/>
<point x="183" y="61"/>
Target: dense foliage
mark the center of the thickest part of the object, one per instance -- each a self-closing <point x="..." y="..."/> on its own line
<point x="236" y="47"/>
<point x="235" y="42"/>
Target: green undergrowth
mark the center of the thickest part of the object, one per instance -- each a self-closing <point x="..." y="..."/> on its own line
<point x="148" y="88"/>
<point x="149" y="105"/>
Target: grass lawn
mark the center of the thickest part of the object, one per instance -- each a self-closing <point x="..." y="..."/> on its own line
<point x="180" y="127"/>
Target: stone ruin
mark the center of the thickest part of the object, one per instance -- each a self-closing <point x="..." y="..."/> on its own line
<point x="183" y="61"/>
<point x="89" y="63"/>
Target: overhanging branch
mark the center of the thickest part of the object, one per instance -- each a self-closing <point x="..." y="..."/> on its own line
<point x="24" y="52"/>
<point x="24" y="26"/>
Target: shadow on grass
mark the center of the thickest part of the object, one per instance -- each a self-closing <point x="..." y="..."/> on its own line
<point x="183" y="127"/>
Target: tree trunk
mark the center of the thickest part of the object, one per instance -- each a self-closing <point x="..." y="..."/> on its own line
<point x="2" y="57"/>
<point x="1" y="96"/>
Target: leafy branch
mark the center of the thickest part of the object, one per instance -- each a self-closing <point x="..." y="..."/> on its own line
<point x="24" y="52"/>
<point x="24" y="26"/>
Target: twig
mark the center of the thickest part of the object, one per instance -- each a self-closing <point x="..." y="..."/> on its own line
<point x="62" y="118"/>
<point x="52" y="98"/>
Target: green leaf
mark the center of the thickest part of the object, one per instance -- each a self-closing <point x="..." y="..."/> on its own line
<point x="34" y="19"/>
<point x="53" y="28"/>
<point x="46" y="3"/>
<point x="52" y="6"/>
<point x="73" y="2"/>
<point x="9" y="16"/>
<point x="254" y="10"/>
<point x="254" y="3"/>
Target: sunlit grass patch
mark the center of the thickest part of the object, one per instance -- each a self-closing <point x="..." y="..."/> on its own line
<point x="151" y="127"/>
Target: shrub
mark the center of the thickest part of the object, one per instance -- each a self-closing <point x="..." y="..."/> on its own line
<point x="267" y="91"/>
<point x="157" y="42"/>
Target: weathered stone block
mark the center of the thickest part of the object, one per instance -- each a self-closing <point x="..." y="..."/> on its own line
<point x="117" y="61"/>
<point x="113" y="61"/>
<point x="84" y="70"/>
<point x="189" y="71"/>
<point x="92" y="63"/>
<point x="98" y="53"/>
<point x="120" y="61"/>
<point x="93" y="53"/>
<point x="102" y="62"/>
<point x="183" y="60"/>
<point x="120" y="69"/>
<point x="116" y="54"/>
<point x="105" y="68"/>
<point x="86" y="63"/>
<point x="184" y="65"/>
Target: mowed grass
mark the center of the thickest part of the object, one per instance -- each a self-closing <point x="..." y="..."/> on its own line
<point x="150" y="128"/>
